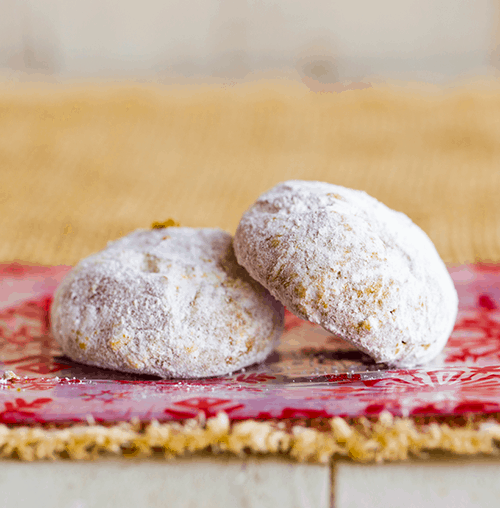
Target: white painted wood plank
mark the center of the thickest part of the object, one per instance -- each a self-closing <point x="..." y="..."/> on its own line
<point x="195" y="483"/>
<point x="456" y="483"/>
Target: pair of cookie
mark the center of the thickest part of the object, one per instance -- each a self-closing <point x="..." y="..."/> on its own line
<point x="180" y="302"/>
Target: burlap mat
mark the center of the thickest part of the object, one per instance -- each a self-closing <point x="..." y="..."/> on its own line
<point x="380" y="440"/>
<point x="83" y="164"/>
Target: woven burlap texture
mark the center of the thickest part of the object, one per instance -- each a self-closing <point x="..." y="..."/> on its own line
<point x="387" y="439"/>
<point x="84" y="164"/>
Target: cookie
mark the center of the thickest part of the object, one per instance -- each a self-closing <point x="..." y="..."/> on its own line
<point x="171" y="302"/>
<point x="340" y="258"/>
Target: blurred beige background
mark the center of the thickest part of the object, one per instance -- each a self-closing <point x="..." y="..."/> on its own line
<point x="115" y="115"/>
<point x="427" y="40"/>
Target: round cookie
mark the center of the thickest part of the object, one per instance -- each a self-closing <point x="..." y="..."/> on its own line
<point x="170" y="302"/>
<point x="340" y="258"/>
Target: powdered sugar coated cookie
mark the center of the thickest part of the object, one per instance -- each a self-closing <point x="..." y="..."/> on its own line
<point x="342" y="259"/>
<point x="171" y="302"/>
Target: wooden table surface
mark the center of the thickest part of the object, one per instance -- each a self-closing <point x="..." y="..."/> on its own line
<point x="81" y="164"/>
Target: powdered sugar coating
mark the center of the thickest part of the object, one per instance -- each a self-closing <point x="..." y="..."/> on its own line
<point x="342" y="259"/>
<point x="170" y="302"/>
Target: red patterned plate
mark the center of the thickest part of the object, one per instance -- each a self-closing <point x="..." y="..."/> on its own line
<point x="311" y="374"/>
